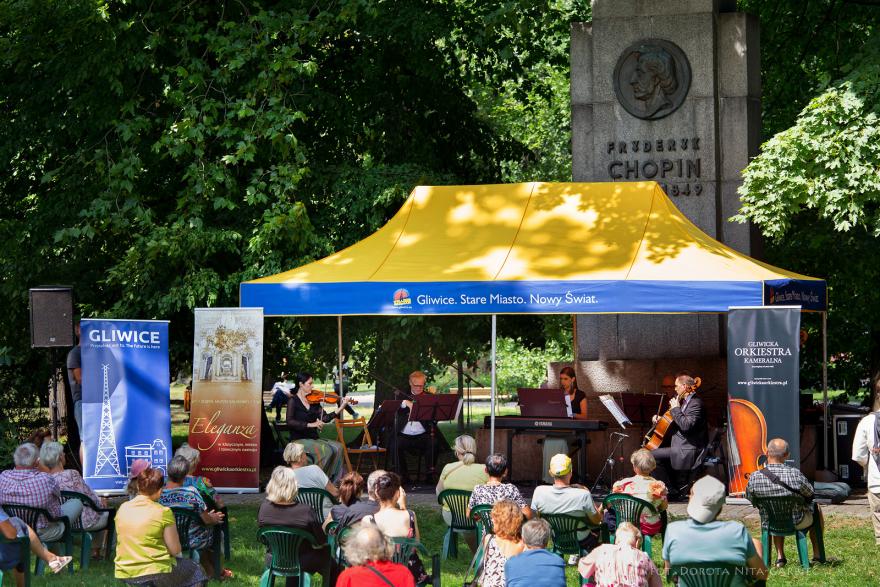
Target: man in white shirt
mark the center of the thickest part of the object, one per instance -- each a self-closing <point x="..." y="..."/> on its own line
<point x="866" y="452"/>
<point x="416" y="437"/>
<point x="280" y="395"/>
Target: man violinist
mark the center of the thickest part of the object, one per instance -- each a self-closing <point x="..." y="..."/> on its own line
<point x="418" y="437"/>
<point x="688" y="443"/>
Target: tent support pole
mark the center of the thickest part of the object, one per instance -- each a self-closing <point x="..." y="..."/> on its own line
<point x="339" y="356"/>
<point x="825" y="386"/>
<point x="492" y="396"/>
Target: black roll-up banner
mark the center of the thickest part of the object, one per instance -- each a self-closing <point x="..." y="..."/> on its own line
<point x="763" y="387"/>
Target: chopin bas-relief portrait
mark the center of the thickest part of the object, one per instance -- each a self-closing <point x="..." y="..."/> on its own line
<point x="651" y="79"/>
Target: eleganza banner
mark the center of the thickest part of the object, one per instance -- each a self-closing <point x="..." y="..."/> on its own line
<point x="763" y="384"/>
<point x="126" y="403"/>
<point x="226" y="395"/>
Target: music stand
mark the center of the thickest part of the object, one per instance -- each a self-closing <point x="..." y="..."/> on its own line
<point x="383" y="417"/>
<point x="615" y="410"/>
<point x="436" y="408"/>
<point x="544" y="403"/>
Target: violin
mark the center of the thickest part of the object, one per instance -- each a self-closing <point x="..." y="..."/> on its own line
<point x="654" y="438"/>
<point x="747" y="440"/>
<point x="317" y="396"/>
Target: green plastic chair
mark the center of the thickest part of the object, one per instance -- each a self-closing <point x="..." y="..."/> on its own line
<point x="482" y="516"/>
<point x="776" y="520"/>
<point x="704" y="574"/>
<point x="284" y="544"/>
<point x="404" y="549"/>
<point x="336" y="537"/>
<point x="457" y="502"/>
<point x="315" y="498"/>
<point x="185" y="519"/>
<point x="24" y="544"/>
<point x="564" y="529"/>
<point x="30" y="516"/>
<point x="628" y="509"/>
<point x="87" y="537"/>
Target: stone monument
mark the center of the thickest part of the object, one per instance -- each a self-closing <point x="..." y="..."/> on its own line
<point x="668" y="91"/>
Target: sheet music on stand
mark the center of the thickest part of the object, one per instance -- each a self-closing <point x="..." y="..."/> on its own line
<point x="615" y="410"/>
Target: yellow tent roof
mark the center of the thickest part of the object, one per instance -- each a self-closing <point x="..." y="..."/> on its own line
<point x="539" y="233"/>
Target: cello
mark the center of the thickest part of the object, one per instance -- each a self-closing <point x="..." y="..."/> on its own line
<point x="747" y="441"/>
<point x="654" y="438"/>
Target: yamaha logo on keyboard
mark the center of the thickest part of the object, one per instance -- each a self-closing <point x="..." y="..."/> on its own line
<point x="544" y="423"/>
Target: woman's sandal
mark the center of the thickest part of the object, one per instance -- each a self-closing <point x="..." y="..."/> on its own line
<point x="226" y="574"/>
<point x="781" y="562"/>
<point x="59" y="563"/>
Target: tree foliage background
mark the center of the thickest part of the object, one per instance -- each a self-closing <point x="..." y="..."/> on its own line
<point x="155" y="155"/>
<point x="814" y="191"/>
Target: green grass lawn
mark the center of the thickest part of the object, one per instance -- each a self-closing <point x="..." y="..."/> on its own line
<point x="847" y="539"/>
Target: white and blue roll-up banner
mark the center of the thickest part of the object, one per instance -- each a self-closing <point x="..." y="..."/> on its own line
<point x="126" y="405"/>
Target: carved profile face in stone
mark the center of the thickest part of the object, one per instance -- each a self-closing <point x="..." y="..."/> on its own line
<point x="652" y="78"/>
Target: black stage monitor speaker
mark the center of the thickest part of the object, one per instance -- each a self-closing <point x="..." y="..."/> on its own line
<point x="51" y="316"/>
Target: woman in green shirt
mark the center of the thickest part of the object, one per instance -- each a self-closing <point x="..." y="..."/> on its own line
<point x="147" y="545"/>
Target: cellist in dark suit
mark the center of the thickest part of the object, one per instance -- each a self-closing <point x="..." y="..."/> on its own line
<point x="691" y="435"/>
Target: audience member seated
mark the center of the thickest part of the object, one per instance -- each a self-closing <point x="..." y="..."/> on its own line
<point x="564" y="498"/>
<point x="351" y="488"/>
<point x="201" y="483"/>
<point x="200" y="535"/>
<point x="53" y="460"/>
<point x="465" y="474"/>
<point x="308" y="476"/>
<point x="281" y="509"/>
<point x="495" y="489"/>
<point x="645" y="487"/>
<point x="147" y="545"/>
<point x="535" y="565"/>
<point x="369" y="553"/>
<point x="10" y="554"/>
<point x="703" y="539"/>
<point x="394" y="520"/>
<point x="354" y="507"/>
<point x="622" y="564"/>
<point x="137" y="467"/>
<point x="778" y="479"/>
<point x="27" y="485"/>
<point x="504" y="543"/>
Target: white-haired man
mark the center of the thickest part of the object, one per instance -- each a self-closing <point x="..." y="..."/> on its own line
<point x="535" y="565"/>
<point x="27" y="485"/>
<point x="777" y="480"/>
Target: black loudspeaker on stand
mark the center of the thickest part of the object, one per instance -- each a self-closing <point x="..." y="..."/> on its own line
<point x="51" y="317"/>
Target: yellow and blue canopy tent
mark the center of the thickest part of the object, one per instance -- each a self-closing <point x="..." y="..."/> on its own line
<point x="533" y="248"/>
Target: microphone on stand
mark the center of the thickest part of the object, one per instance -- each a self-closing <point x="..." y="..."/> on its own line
<point x="620" y="434"/>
